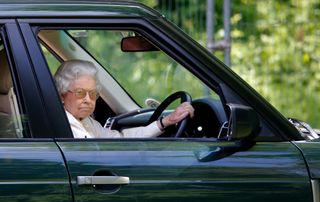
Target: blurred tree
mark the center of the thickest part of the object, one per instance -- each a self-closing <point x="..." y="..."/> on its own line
<point x="280" y="57"/>
<point x="275" y="47"/>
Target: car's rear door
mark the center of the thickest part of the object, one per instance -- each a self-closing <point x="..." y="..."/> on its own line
<point x="32" y="170"/>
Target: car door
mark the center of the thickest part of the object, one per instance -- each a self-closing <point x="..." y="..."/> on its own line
<point x="169" y="170"/>
<point x="31" y="168"/>
<point x="174" y="169"/>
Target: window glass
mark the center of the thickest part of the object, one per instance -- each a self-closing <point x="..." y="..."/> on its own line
<point x="10" y="117"/>
<point x="52" y="61"/>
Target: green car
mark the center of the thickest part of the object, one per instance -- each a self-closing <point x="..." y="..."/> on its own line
<point x="237" y="147"/>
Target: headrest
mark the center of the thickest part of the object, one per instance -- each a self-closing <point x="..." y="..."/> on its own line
<point x="5" y="76"/>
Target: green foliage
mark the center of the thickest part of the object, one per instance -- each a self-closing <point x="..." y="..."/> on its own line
<point x="275" y="47"/>
<point x="280" y="58"/>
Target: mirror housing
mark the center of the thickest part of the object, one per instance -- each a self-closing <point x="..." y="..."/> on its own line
<point x="243" y="127"/>
<point x="136" y="44"/>
<point x="243" y="122"/>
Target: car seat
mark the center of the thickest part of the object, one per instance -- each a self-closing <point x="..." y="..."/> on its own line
<point x="10" y="119"/>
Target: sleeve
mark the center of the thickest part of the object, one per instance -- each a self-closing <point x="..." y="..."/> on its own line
<point x="149" y="131"/>
<point x="152" y="130"/>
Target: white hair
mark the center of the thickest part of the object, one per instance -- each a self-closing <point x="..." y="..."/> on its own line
<point x="71" y="70"/>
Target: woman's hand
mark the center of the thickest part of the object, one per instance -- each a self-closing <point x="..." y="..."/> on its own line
<point x="181" y="112"/>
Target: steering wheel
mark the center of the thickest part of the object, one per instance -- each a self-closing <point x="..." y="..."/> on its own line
<point x="184" y="97"/>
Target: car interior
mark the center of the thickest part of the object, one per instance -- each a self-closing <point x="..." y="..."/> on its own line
<point x="10" y="119"/>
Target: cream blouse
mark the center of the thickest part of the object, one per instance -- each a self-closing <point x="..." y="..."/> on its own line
<point x="90" y="128"/>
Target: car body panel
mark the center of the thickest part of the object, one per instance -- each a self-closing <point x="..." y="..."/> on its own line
<point x="171" y="171"/>
<point x="76" y="8"/>
<point x="310" y="152"/>
<point x="32" y="171"/>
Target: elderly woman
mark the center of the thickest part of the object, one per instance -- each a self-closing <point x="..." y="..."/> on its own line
<point x="77" y="85"/>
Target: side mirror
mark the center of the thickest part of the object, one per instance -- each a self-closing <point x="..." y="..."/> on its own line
<point x="243" y="123"/>
<point x="136" y="44"/>
<point x="243" y="127"/>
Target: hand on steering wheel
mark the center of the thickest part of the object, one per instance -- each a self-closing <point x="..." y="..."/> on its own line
<point x="184" y="97"/>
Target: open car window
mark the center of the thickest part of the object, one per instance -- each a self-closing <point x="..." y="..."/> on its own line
<point x="134" y="74"/>
<point x="135" y="77"/>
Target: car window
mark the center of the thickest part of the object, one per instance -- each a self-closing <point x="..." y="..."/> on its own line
<point x="130" y="78"/>
<point x="10" y="117"/>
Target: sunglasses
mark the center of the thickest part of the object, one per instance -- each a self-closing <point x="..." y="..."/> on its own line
<point x="81" y="93"/>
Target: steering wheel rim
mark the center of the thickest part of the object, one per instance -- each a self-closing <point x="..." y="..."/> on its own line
<point x="184" y="97"/>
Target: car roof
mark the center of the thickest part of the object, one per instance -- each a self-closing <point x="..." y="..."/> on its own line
<point x="76" y="8"/>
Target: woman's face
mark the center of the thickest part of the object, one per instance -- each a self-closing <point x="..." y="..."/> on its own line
<point x="78" y="100"/>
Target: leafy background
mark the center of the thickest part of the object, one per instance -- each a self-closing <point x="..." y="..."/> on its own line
<point x="275" y="47"/>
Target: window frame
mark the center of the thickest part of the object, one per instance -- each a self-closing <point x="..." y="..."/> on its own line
<point x="36" y="96"/>
<point x="178" y="53"/>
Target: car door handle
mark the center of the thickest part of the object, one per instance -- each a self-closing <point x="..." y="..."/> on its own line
<point x="91" y="180"/>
